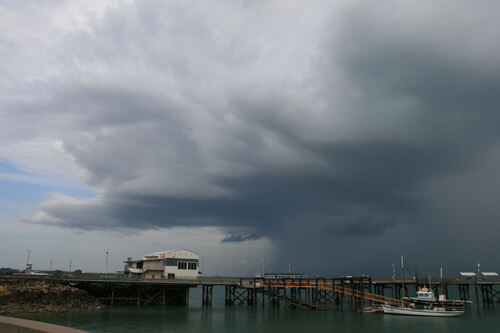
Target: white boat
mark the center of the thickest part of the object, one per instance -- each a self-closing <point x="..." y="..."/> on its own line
<point x="436" y="311"/>
<point x="425" y="303"/>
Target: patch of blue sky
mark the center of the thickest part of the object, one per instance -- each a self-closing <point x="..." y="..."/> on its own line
<point x="21" y="191"/>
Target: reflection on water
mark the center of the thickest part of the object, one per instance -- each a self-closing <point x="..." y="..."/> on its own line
<point x="244" y="319"/>
<point x="219" y="318"/>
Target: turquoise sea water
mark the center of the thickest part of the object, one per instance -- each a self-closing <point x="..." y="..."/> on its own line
<point x="218" y="318"/>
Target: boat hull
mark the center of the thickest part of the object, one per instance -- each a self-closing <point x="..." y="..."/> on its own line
<point x="420" y="312"/>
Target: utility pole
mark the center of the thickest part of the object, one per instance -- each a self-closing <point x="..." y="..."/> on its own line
<point x="28" y="259"/>
<point x="50" y="265"/>
<point x="106" y="266"/>
<point x="70" y="265"/>
<point x="263" y="265"/>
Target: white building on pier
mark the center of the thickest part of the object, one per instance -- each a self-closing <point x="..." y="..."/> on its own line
<point x="172" y="264"/>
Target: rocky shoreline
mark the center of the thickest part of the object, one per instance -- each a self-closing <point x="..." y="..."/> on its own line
<point x="29" y="296"/>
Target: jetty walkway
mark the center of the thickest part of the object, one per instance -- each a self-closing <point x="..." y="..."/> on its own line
<point x="338" y="293"/>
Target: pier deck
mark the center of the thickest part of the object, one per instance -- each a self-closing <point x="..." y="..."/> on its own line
<point x="343" y="293"/>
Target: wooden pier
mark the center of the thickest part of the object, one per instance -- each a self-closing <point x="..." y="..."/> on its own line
<point x="340" y="294"/>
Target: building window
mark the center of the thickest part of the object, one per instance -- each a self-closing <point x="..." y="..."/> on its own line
<point x="171" y="276"/>
<point x="182" y="265"/>
<point x="192" y="265"/>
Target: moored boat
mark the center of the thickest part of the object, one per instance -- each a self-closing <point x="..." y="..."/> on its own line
<point x="432" y="311"/>
<point x="425" y="303"/>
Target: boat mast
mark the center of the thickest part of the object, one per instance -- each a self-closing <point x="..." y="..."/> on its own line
<point x="441" y="271"/>
<point x="403" y="280"/>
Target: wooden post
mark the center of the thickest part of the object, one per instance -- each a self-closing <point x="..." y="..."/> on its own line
<point x="351" y="297"/>
<point x="206" y="297"/>
<point x="269" y="295"/>
<point x="477" y="295"/>
<point x="362" y="298"/>
<point x="334" y="294"/>
<point x="254" y="293"/>
<point x="112" y="295"/>
<point x="316" y="298"/>
<point x="342" y="301"/>
<point x="139" y="296"/>
<point x="371" y="289"/>
<point x="300" y="292"/>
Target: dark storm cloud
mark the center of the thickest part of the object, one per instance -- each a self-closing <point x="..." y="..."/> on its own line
<point x="239" y="118"/>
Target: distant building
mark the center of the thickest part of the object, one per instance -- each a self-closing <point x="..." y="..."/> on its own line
<point x="173" y="264"/>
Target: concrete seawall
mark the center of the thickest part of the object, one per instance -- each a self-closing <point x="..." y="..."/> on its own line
<point x="16" y="325"/>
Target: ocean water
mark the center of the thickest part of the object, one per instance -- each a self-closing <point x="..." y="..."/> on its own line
<point x="218" y="318"/>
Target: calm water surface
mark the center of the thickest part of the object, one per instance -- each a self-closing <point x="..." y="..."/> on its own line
<point x="219" y="318"/>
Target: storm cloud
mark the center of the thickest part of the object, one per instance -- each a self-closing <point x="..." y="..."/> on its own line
<point x="317" y="123"/>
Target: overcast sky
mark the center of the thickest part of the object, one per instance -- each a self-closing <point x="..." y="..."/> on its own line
<point x="332" y="135"/>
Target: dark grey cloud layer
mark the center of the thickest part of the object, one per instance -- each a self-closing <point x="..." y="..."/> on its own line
<point x="324" y="127"/>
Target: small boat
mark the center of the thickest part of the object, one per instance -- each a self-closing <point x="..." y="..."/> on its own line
<point x="372" y="309"/>
<point x="425" y="303"/>
<point x="431" y="311"/>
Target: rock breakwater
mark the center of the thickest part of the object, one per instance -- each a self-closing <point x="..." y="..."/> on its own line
<point x="35" y="296"/>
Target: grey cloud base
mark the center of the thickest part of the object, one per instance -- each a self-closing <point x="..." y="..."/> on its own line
<point x="318" y="135"/>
